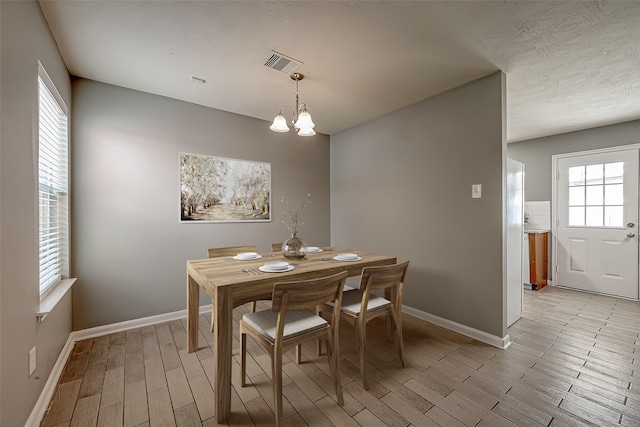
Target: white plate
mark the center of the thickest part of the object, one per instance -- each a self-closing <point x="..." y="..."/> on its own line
<point x="247" y="254"/>
<point x="313" y="249"/>
<point x="266" y="270"/>
<point x="347" y="256"/>
<point x="339" y="258"/>
<point x="276" y="265"/>
<point x="257" y="256"/>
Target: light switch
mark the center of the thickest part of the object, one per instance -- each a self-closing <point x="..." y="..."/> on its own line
<point x="476" y="191"/>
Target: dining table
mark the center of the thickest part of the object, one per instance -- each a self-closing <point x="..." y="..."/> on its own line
<point x="231" y="282"/>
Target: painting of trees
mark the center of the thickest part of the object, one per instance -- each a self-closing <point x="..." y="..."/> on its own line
<point x="220" y="189"/>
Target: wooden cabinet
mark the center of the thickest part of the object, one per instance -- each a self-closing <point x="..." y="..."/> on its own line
<point x="538" y="265"/>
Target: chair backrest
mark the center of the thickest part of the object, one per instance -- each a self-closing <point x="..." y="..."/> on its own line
<point x="382" y="277"/>
<point x="275" y="247"/>
<point x="230" y="250"/>
<point x="308" y="293"/>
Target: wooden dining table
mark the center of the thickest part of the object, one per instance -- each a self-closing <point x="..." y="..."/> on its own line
<point x="229" y="284"/>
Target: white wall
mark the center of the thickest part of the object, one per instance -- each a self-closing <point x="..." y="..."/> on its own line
<point x="25" y="39"/>
<point x="401" y="185"/>
<point x="130" y="250"/>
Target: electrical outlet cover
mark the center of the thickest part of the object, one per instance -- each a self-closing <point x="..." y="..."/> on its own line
<point x="32" y="361"/>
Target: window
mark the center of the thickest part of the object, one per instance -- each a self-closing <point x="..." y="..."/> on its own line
<point x="595" y="195"/>
<point x="53" y="184"/>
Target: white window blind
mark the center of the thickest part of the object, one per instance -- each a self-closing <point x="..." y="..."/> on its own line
<point x="52" y="185"/>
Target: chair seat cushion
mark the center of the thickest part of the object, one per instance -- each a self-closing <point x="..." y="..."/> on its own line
<point x="297" y="322"/>
<point x="352" y="299"/>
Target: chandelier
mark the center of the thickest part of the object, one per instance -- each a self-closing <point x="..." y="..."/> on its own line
<point x="301" y="122"/>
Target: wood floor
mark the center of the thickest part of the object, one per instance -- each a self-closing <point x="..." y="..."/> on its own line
<point x="574" y="361"/>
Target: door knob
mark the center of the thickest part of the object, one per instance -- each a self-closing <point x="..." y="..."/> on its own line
<point x="630" y="225"/>
<point x="631" y="235"/>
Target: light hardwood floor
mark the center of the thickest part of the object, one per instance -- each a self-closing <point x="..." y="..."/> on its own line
<point x="573" y="362"/>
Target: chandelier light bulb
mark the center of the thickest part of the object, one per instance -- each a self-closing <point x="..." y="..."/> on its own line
<point x="279" y="124"/>
<point x="304" y="121"/>
<point x="306" y="132"/>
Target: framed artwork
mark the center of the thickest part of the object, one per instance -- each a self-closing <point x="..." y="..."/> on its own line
<point x="217" y="189"/>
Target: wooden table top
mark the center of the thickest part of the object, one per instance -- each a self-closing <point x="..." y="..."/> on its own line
<point x="211" y="273"/>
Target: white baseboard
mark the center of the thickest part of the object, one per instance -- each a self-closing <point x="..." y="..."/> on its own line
<point x="494" y="340"/>
<point x="42" y="404"/>
<point x="40" y="408"/>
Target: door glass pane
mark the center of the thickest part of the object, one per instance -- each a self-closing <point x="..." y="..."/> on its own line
<point x="613" y="194"/>
<point x="593" y="203"/>
<point x="595" y="195"/>
<point x="576" y="196"/>
<point x="613" y="173"/>
<point x="595" y="173"/>
<point x="576" y="175"/>
<point x="594" y="216"/>
<point x="576" y="215"/>
<point x="613" y="216"/>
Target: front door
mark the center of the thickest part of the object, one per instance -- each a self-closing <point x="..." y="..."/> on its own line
<point x="596" y="222"/>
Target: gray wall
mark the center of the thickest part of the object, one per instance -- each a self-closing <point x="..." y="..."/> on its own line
<point x="536" y="153"/>
<point x="401" y="185"/>
<point x="130" y="250"/>
<point x="25" y="39"/>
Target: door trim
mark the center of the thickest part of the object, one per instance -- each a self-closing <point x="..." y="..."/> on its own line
<point x="554" y="190"/>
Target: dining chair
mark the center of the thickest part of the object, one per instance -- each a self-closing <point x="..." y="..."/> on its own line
<point x="231" y="251"/>
<point x="359" y="306"/>
<point x="276" y="247"/>
<point x="291" y="321"/>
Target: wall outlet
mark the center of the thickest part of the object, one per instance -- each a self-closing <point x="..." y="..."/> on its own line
<point x="32" y="361"/>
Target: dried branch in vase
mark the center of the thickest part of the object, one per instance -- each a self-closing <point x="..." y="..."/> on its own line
<point x="293" y="226"/>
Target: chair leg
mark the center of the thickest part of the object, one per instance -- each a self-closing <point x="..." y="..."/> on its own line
<point x="397" y="322"/>
<point x="276" y="373"/>
<point x="243" y="359"/>
<point x="298" y="354"/>
<point x="389" y="320"/>
<point x="319" y="342"/>
<point x="334" y="363"/>
<point x="254" y="304"/>
<point x="362" y="352"/>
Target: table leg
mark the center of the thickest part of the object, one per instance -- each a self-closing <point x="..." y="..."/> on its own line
<point x="193" y="306"/>
<point x="223" y="338"/>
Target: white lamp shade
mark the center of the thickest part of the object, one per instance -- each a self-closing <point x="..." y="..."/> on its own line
<point x="306" y="132"/>
<point x="304" y="121"/>
<point x="279" y="124"/>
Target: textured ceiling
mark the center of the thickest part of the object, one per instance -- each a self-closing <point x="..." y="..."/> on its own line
<point x="570" y="65"/>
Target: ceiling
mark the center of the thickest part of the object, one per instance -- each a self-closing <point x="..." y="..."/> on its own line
<point x="570" y="65"/>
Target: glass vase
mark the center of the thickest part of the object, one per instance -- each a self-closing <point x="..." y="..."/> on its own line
<point x="294" y="247"/>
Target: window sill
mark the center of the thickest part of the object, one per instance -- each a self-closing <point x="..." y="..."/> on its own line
<point x="55" y="296"/>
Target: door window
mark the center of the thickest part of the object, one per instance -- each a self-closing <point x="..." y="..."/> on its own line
<point x="596" y="195"/>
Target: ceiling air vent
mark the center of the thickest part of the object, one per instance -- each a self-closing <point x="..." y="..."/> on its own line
<point x="281" y="62"/>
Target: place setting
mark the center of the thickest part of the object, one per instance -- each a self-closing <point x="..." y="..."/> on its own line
<point x="247" y="256"/>
<point x="313" y="250"/>
<point x="347" y="257"/>
<point x="276" y="267"/>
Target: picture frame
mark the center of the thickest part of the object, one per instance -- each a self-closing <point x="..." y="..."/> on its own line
<point x="219" y="189"/>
